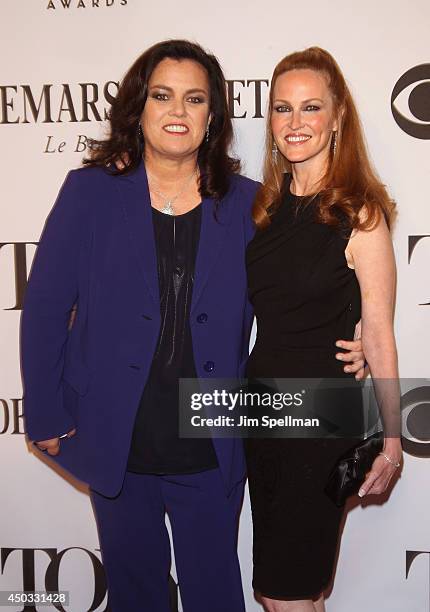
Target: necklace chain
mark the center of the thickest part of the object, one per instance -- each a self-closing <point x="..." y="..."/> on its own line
<point x="167" y="208"/>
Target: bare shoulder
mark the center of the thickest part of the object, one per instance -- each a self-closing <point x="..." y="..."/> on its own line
<point x="374" y="239"/>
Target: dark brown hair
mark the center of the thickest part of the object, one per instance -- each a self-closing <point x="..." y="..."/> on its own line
<point x="214" y="161"/>
<point x="350" y="184"/>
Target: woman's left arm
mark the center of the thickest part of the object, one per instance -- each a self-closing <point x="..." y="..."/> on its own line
<point x="372" y="254"/>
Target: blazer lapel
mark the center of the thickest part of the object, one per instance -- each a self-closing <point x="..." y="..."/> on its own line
<point x="136" y="205"/>
<point x="212" y="234"/>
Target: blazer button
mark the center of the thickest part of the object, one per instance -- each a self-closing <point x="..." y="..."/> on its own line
<point x="202" y="317"/>
<point x="209" y="366"/>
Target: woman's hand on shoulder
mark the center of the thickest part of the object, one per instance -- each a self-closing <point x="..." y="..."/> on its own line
<point x="122" y="161"/>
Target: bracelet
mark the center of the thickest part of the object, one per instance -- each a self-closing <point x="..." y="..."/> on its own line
<point x="395" y="463"/>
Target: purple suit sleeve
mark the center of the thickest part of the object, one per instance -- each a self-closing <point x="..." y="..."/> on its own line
<point x="249" y="311"/>
<point x="51" y="293"/>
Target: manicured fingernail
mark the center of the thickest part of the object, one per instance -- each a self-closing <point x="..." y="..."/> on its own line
<point x="339" y="356"/>
<point x="339" y="343"/>
<point x="347" y="369"/>
<point x="361" y="493"/>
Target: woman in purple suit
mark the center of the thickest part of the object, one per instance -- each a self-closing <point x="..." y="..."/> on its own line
<point x="153" y="256"/>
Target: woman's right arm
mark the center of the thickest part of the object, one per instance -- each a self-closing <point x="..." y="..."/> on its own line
<point x="52" y="291"/>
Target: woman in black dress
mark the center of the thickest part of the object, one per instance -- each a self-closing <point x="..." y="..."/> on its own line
<point x="321" y="259"/>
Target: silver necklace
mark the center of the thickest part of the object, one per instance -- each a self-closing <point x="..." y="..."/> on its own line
<point x="167" y="208"/>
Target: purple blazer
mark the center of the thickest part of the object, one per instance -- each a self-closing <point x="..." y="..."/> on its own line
<point x="98" y="251"/>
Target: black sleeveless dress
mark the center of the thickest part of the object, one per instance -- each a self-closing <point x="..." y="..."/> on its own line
<point x="305" y="298"/>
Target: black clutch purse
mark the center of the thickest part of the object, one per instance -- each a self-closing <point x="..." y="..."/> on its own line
<point x="351" y="468"/>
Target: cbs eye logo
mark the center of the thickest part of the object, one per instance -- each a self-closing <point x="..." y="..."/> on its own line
<point x="416" y="421"/>
<point x="412" y="92"/>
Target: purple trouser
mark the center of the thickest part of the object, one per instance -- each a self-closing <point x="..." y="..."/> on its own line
<point x="136" y="549"/>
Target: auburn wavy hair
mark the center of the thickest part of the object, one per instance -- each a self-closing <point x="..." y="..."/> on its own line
<point x="350" y="190"/>
<point x="215" y="164"/>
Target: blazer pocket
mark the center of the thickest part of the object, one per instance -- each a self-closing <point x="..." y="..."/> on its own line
<point x="77" y="376"/>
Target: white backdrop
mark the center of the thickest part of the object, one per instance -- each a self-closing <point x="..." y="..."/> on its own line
<point x="45" y="43"/>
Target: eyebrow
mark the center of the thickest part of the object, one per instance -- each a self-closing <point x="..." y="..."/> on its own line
<point x="303" y="102"/>
<point x="189" y="91"/>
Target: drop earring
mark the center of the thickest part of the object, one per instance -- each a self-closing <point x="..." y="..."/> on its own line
<point x="274" y="152"/>
<point x="207" y="134"/>
<point x="334" y="141"/>
<point x="139" y="131"/>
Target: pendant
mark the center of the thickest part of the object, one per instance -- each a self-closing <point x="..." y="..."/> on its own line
<point x="168" y="208"/>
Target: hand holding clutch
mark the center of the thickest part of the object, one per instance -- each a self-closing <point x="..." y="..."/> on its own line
<point x="350" y="470"/>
